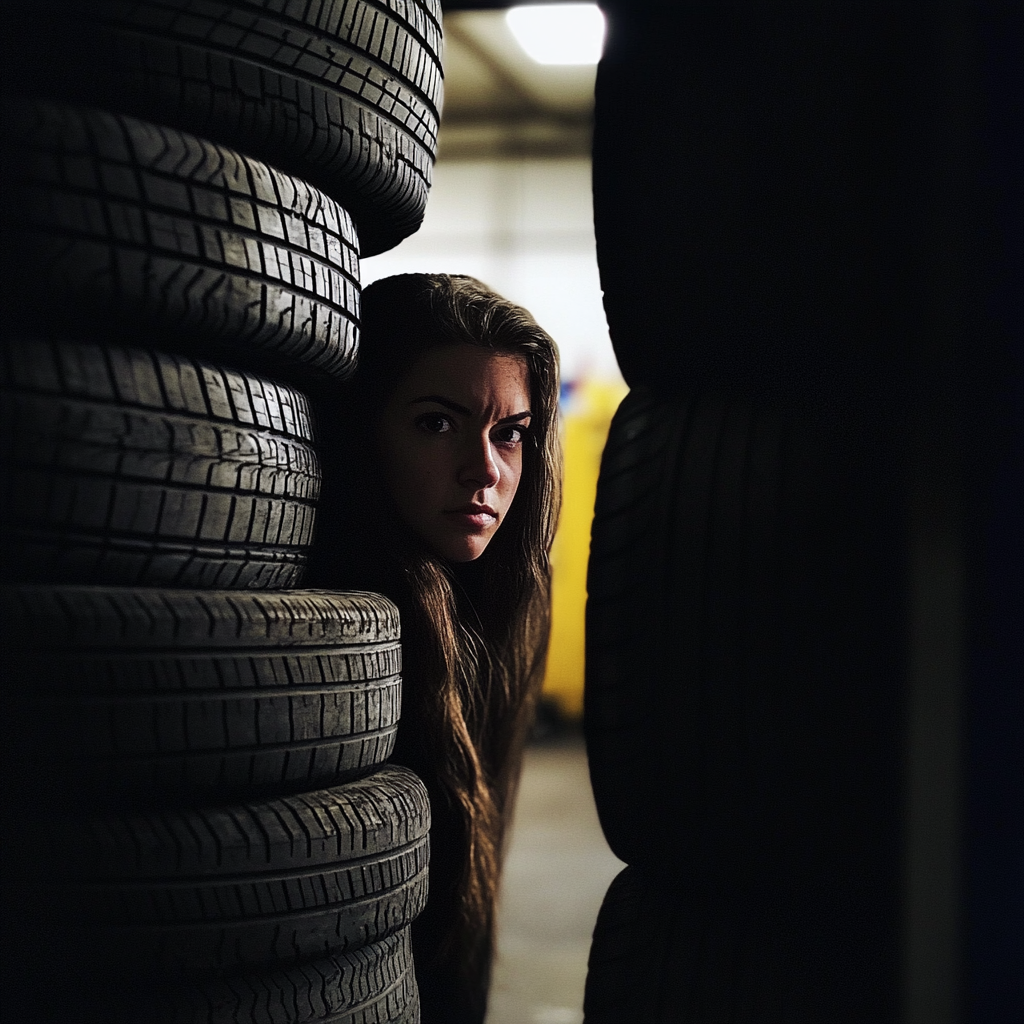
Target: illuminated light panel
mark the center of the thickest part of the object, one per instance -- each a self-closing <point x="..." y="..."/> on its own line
<point x="559" y="33"/>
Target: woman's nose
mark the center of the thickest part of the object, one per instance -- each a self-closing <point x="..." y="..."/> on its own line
<point x="480" y="468"/>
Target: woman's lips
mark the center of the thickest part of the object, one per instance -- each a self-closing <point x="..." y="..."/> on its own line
<point x="474" y="517"/>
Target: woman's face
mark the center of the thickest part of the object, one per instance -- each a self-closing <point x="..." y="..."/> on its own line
<point x="451" y="440"/>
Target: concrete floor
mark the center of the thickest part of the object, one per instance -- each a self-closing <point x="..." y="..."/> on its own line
<point x="556" y="874"/>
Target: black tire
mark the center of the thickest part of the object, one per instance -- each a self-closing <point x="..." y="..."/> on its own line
<point x="668" y="947"/>
<point x="685" y="601"/>
<point x="345" y="94"/>
<point x="731" y="238"/>
<point x="118" y="229"/>
<point x="738" y="724"/>
<point x="626" y="977"/>
<point x="660" y="956"/>
<point x="375" y="984"/>
<point x="301" y="691"/>
<point x="212" y="891"/>
<point x="131" y="466"/>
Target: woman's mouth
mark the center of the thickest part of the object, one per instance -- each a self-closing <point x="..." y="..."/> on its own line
<point x="474" y="517"/>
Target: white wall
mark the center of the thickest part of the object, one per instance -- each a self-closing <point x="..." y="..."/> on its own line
<point x="524" y="227"/>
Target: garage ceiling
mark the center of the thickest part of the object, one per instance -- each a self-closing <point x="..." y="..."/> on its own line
<point x="499" y="102"/>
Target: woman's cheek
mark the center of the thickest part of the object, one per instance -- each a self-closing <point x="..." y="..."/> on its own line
<point x="426" y="473"/>
<point x="515" y="473"/>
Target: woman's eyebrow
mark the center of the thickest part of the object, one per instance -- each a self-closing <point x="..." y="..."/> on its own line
<point x="446" y="402"/>
<point x="463" y="411"/>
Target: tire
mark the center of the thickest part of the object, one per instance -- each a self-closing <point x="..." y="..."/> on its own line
<point x="375" y="984"/>
<point x="119" y="229"/>
<point x="660" y="956"/>
<point x="686" y="599"/>
<point x="302" y="690"/>
<point x="626" y="977"/>
<point x="345" y="94"/>
<point x="670" y="948"/>
<point x="214" y="891"/>
<point x="130" y="466"/>
<point x="732" y="237"/>
<point x="739" y="727"/>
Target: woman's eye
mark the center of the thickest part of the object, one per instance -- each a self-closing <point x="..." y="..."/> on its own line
<point x="434" y="423"/>
<point x="511" y="436"/>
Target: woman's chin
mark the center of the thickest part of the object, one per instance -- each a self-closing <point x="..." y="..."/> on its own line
<point x="465" y="553"/>
<point x="461" y="549"/>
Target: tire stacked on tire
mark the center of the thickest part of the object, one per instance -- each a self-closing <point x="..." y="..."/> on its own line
<point x="700" y="620"/>
<point x="745" y="685"/>
<point x="200" y="821"/>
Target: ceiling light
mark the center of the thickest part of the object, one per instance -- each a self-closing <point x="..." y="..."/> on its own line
<point x="559" y="33"/>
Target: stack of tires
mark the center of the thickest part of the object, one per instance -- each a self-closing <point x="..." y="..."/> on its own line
<point x="200" y="824"/>
<point x="746" y="678"/>
<point x="700" y="710"/>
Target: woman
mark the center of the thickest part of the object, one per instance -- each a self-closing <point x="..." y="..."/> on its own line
<point x="450" y="463"/>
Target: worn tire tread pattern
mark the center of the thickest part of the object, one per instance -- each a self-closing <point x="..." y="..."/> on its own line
<point x="137" y="467"/>
<point x="343" y="93"/>
<point x="371" y="985"/>
<point x="94" y="618"/>
<point x="114" y="223"/>
<point x="167" y="723"/>
<point x="212" y="890"/>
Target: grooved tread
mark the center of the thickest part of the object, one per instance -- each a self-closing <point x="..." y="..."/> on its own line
<point x="684" y="588"/>
<point x="179" y="724"/>
<point x="98" y="491"/>
<point x="372" y="985"/>
<point x="142" y="379"/>
<point x="343" y="93"/>
<point x="140" y="696"/>
<point x="113" y="223"/>
<point x="83" y="618"/>
<point x="132" y="560"/>
<point x="211" y="890"/>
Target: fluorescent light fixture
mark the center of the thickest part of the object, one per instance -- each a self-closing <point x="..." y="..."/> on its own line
<point x="559" y="33"/>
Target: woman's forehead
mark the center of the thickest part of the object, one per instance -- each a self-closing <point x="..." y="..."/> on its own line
<point x="471" y="375"/>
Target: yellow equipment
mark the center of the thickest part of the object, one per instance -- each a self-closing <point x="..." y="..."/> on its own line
<point x="586" y="417"/>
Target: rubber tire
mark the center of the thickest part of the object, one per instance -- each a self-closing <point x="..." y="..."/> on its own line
<point x="131" y="466"/>
<point x="211" y="891"/>
<point x="626" y="975"/>
<point x="738" y="229"/>
<point x="345" y="94"/>
<point x="302" y="691"/>
<point x="117" y="228"/>
<point x="657" y="956"/>
<point x="668" y="948"/>
<point x="686" y="599"/>
<point x="375" y="984"/>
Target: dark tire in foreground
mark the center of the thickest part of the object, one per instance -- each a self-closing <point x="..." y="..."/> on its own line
<point x="214" y="890"/>
<point x="120" y="230"/>
<point x="151" y="701"/>
<point x="691" y="575"/>
<point x="345" y="94"/>
<point x="668" y="947"/>
<point x="738" y="716"/>
<point x="131" y="466"/>
<point x="626" y="977"/>
<point x="659" y="956"/>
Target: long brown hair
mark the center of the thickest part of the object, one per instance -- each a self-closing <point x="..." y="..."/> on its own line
<point x="474" y="637"/>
